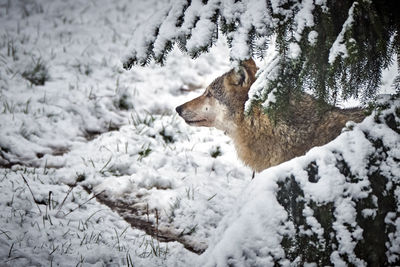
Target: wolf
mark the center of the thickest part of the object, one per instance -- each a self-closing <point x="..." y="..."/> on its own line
<point x="260" y="142"/>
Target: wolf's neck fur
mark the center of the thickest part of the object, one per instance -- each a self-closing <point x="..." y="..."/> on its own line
<point x="261" y="144"/>
<point x="258" y="142"/>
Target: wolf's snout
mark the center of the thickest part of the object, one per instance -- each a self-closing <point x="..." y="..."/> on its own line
<point x="179" y="109"/>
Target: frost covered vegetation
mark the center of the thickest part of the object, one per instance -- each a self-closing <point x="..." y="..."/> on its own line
<point x="96" y="170"/>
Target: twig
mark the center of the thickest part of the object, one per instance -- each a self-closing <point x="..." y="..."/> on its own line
<point x="9" y="253"/>
<point x="208" y="199"/>
<point x="80" y="205"/>
<point x="62" y="203"/>
<point x="129" y="260"/>
<point x="5" y="233"/>
<point x="50" y="193"/>
<point x="157" y="223"/>
<point x="34" y="200"/>
<point x="105" y="165"/>
<point x="93" y="215"/>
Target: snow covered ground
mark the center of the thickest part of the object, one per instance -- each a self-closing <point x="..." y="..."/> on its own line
<point x="93" y="129"/>
<point x="114" y="131"/>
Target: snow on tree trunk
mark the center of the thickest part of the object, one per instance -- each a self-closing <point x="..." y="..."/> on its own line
<point x="337" y="205"/>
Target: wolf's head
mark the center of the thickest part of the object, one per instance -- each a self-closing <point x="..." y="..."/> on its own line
<point x="222" y="103"/>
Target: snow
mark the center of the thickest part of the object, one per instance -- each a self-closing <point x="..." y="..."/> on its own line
<point x="59" y="132"/>
<point x="339" y="47"/>
<point x="168" y="29"/>
<point x="197" y="29"/>
<point x="303" y="18"/>
<point x="205" y="29"/>
<point x="312" y="37"/>
<point x="95" y="129"/>
<point x="271" y="98"/>
<point x="294" y="50"/>
<point x="388" y="77"/>
<point x="269" y="70"/>
<point x="191" y="14"/>
<point x="251" y="15"/>
<point x="139" y="45"/>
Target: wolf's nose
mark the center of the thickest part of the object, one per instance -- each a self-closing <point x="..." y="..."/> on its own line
<point x="179" y="110"/>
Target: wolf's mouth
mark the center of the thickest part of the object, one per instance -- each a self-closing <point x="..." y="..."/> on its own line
<point x="195" y="121"/>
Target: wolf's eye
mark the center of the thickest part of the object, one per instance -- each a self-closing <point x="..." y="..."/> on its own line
<point x="208" y="94"/>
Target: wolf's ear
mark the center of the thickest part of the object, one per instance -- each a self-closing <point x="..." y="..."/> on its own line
<point x="245" y="74"/>
<point x="239" y="76"/>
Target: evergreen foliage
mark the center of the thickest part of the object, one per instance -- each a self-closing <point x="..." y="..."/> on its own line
<point x="336" y="48"/>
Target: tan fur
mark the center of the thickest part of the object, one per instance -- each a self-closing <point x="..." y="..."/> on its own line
<point x="259" y="142"/>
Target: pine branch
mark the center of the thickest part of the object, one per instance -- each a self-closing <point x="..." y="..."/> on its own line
<point x="333" y="53"/>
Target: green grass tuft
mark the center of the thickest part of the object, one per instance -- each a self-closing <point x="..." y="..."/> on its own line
<point x="216" y="153"/>
<point x="37" y="73"/>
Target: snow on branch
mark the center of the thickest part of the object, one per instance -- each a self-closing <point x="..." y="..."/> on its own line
<point x="169" y="29"/>
<point x="311" y="35"/>
<point x="143" y="41"/>
<point x="303" y="18"/>
<point x="268" y="72"/>
<point x="253" y="22"/>
<point x="194" y="26"/>
<point x="339" y="47"/>
<point x="205" y="31"/>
